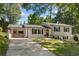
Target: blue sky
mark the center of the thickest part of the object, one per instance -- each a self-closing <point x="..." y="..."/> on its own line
<point x="25" y="14"/>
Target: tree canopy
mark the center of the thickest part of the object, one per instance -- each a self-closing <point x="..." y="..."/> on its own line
<point x="66" y="13"/>
<point x="34" y="19"/>
<point x="12" y="13"/>
<point x="57" y="12"/>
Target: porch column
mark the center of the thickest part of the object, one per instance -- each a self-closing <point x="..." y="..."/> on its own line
<point x="9" y="34"/>
<point x="25" y="32"/>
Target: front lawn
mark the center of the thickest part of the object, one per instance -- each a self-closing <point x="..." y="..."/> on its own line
<point x="58" y="47"/>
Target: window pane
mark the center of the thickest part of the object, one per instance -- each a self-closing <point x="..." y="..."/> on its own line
<point x="65" y="37"/>
<point x="20" y="32"/>
<point x="39" y="31"/>
<point x="14" y="32"/>
<point x="57" y="29"/>
<point x="42" y="31"/>
<point x="66" y="29"/>
<point x="34" y="31"/>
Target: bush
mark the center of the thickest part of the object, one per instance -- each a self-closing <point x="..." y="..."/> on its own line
<point x="3" y="45"/>
<point x="6" y="37"/>
<point x="0" y="29"/>
<point x="75" y="38"/>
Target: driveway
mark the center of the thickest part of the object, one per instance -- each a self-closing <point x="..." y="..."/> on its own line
<point x="25" y="47"/>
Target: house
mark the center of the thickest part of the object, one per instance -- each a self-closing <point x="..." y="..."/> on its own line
<point x="55" y="30"/>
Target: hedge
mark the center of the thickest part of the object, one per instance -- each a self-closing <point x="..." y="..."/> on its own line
<point x="3" y="45"/>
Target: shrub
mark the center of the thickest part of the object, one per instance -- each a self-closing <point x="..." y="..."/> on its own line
<point x="3" y="45"/>
<point x="6" y="37"/>
<point x="76" y="38"/>
<point x="0" y="29"/>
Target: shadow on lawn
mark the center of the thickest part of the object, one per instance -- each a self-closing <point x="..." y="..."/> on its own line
<point x="64" y="49"/>
<point x="60" y="48"/>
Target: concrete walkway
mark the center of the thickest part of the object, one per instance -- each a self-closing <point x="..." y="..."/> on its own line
<point x="26" y="47"/>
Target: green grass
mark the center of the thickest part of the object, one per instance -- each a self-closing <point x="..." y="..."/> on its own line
<point x="60" y="48"/>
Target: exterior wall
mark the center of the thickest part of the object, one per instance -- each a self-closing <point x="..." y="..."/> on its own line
<point x="28" y="32"/>
<point x="62" y="33"/>
<point x="9" y="34"/>
<point x="30" y="35"/>
<point x="17" y="34"/>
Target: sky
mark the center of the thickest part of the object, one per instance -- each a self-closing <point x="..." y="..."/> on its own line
<point x="25" y="14"/>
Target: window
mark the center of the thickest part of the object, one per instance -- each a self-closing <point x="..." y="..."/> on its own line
<point x="14" y="32"/>
<point x="37" y="31"/>
<point x="42" y="31"/>
<point x="65" y="37"/>
<point x="56" y="29"/>
<point x="66" y="29"/>
<point x="34" y="31"/>
<point x="20" y="32"/>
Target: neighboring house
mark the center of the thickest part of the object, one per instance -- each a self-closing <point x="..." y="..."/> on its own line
<point x="55" y="30"/>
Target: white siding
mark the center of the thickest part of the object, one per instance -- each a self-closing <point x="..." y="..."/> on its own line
<point x="9" y="34"/>
<point x="26" y="32"/>
<point x="30" y="35"/>
<point x="61" y="33"/>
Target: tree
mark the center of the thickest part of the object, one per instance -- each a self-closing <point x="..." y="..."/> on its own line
<point x="37" y="8"/>
<point x="34" y="19"/>
<point x="11" y="11"/>
<point x="4" y="25"/>
<point x="48" y="20"/>
<point x="68" y="14"/>
<point x="75" y="37"/>
<point x="41" y="8"/>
